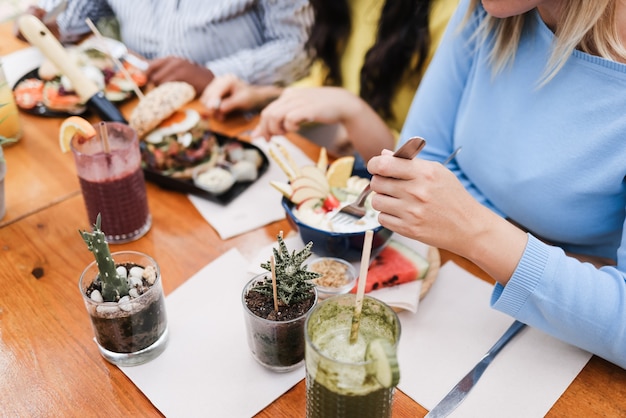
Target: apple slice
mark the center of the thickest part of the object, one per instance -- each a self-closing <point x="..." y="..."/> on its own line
<point x="284" y="188"/>
<point x="302" y="181"/>
<point x="309" y="204"/>
<point x="315" y="174"/>
<point x="303" y="193"/>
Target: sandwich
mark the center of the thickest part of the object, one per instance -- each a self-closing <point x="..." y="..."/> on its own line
<point x="174" y="139"/>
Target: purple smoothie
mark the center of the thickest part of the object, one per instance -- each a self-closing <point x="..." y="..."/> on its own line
<point x="112" y="181"/>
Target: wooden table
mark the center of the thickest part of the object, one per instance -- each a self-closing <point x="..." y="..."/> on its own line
<point x="49" y="365"/>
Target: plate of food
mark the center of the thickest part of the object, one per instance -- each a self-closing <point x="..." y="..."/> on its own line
<point x="180" y="152"/>
<point x="44" y="91"/>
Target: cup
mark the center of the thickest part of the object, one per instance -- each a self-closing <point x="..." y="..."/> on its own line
<point x="134" y="330"/>
<point x="277" y="345"/>
<point x="10" y="125"/>
<point x="112" y="181"/>
<point x="339" y="381"/>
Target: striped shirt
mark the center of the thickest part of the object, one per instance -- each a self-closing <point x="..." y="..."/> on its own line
<point x="260" y="41"/>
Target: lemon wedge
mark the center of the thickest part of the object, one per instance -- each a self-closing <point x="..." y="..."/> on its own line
<point x="339" y="171"/>
<point x="385" y="362"/>
<point x="72" y="126"/>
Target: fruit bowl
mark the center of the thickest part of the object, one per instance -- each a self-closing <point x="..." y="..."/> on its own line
<point x="346" y="245"/>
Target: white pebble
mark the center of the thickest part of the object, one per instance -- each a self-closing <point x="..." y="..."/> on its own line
<point x="96" y="296"/>
<point x="121" y="271"/>
<point x="108" y="308"/>
<point x="124" y="304"/>
<point x="150" y="275"/>
<point x="136" y="271"/>
<point x="134" y="293"/>
<point x="134" y="281"/>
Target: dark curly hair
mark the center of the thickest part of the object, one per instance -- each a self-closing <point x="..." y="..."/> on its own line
<point x="402" y="34"/>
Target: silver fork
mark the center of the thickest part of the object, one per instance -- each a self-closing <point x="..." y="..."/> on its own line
<point x="356" y="209"/>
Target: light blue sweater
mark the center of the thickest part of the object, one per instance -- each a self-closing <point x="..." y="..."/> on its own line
<point x="553" y="159"/>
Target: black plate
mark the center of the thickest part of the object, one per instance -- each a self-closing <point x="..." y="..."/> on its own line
<point x="40" y="109"/>
<point x="188" y="186"/>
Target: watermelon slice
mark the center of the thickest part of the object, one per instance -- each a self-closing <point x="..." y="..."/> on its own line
<point x="394" y="265"/>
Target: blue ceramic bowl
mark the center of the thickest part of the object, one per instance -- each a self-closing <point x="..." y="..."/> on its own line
<point x="346" y="245"/>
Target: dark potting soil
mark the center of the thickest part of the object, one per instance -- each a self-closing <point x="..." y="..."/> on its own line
<point x="263" y="307"/>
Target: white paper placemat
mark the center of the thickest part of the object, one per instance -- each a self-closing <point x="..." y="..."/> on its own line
<point x="258" y="205"/>
<point x="207" y="366"/>
<point x="454" y="328"/>
<point x="207" y="369"/>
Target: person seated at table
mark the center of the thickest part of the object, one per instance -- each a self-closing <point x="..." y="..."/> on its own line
<point x="261" y="41"/>
<point x="533" y="92"/>
<point x="370" y="55"/>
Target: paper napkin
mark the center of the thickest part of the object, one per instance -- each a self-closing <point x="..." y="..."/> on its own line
<point x="454" y="328"/>
<point x="258" y="205"/>
<point x="404" y="296"/>
<point x="207" y="368"/>
<point x="18" y="63"/>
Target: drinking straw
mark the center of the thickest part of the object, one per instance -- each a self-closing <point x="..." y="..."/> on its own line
<point x="104" y="137"/>
<point x="273" y="268"/>
<point x="117" y="62"/>
<point x="365" y="261"/>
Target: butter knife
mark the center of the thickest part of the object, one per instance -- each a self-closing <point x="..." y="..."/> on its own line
<point x="460" y="391"/>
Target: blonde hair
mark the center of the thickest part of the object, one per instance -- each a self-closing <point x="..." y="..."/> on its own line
<point x="589" y="26"/>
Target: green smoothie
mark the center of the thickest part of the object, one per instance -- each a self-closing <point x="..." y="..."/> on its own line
<point x="342" y="379"/>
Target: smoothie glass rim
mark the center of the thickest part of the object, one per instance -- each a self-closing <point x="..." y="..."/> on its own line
<point x="134" y="138"/>
<point x="320" y="304"/>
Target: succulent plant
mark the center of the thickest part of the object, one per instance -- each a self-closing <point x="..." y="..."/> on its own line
<point x="293" y="279"/>
<point x="113" y="285"/>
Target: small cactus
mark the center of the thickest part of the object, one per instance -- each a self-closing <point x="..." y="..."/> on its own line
<point x="113" y="286"/>
<point x="293" y="280"/>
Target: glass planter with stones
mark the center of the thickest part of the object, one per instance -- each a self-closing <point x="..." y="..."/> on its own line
<point x="123" y="294"/>
<point x="275" y="316"/>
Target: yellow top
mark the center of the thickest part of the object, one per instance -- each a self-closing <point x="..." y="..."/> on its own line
<point x="365" y="15"/>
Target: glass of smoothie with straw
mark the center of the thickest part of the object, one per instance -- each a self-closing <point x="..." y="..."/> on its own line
<point x="108" y="164"/>
<point x="351" y="354"/>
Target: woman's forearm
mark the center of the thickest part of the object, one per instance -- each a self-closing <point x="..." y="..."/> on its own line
<point x="367" y="131"/>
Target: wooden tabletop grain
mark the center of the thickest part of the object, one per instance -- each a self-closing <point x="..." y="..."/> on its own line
<point x="49" y="365"/>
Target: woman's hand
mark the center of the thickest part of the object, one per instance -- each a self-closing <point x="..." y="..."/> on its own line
<point x="422" y="200"/>
<point x="228" y="93"/>
<point x="425" y="201"/>
<point x="162" y="70"/>
<point x="300" y="105"/>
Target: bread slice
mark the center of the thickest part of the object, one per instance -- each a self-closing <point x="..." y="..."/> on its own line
<point x="159" y="104"/>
